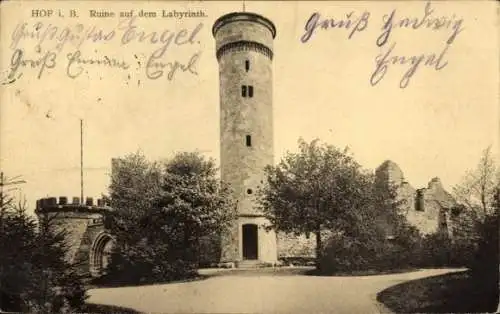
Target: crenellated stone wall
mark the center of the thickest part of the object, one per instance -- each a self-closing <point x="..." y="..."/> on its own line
<point x="83" y="223"/>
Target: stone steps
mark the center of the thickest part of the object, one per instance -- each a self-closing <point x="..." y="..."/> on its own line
<point x="249" y="264"/>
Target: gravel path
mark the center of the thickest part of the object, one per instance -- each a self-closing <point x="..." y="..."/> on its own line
<point x="242" y="292"/>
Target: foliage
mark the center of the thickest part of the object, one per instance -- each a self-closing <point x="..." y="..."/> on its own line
<point x="162" y="210"/>
<point x="311" y="190"/>
<point x="34" y="272"/>
<point x="486" y="258"/>
<point x="324" y="188"/>
<point x="382" y="239"/>
<point x="476" y="229"/>
<point x="478" y="186"/>
<point x="457" y="292"/>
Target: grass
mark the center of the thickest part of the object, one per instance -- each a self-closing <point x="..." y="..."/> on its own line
<point x="108" y="309"/>
<point x="368" y="272"/>
<point x="106" y="283"/>
<point x="451" y="293"/>
<point x="264" y="271"/>
<point x="301" y="271"/>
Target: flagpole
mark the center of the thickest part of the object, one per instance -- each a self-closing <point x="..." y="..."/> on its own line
<point x="81" y="161"/>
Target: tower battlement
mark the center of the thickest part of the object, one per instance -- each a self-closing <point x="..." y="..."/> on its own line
<point x="62" y="204"/>
<point x="236" y="17"/>
<point x="244" y="31"/>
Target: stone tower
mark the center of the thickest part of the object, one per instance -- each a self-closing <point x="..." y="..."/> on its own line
<point x="244" y="51"/>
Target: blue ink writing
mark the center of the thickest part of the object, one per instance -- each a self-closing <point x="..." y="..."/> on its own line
<point x="18" y="60"/>
<point x="426" y="21"/>
<point x="352" y="23"/>
<point x="76" y="62"/>
<point x="384" y="60"/>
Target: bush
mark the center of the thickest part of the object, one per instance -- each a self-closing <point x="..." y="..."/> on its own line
<point x="485" y="264"/>
<point x="353" y="254"/>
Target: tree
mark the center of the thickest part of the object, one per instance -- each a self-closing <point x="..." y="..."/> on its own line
<point x="56" y="285"/>
<point x="34" y="273"/>
<point x="196" y="201"/>
<point x="375" y="236"/>
<point x="475" y="194"/>
<point x="478" y="186"/>
<point x="17" y="236"/>
<point x="161" y="211"/>
<point x="476" y="226"/>
<point x="319" y="188"/>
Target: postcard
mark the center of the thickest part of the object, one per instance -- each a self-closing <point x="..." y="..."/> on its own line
<point x="221" y="154"/>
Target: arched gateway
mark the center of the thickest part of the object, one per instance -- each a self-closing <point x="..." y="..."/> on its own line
<point x="100" y="253"/>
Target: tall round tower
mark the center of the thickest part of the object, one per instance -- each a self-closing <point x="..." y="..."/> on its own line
<point x="244" y="50"/>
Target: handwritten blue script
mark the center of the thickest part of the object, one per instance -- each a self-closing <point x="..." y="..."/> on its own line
<point x="352" y="23"/>
<point x="428" y="20"/>
<point x="53" y="39"/>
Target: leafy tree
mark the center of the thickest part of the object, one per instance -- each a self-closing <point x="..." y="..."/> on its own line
<point x="378" y="237"/>
<point x="161" y="212"/>
<point x="476" y="196"/>
<point x="478" y="186"/>
<point x="323" y="188"/>
<point x="486" y="256"/>
<point x="135" y="189"/>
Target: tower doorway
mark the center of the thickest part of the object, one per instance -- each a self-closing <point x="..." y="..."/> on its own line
<point x="250" y="242"/>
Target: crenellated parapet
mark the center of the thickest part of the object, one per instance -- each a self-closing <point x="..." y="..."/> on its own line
<point x="243" y="32"/>
<point x="84" y="224"/>
<point x="62" y="204"/>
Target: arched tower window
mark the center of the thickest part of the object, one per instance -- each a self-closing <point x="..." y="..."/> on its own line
<point x="247" y="65"/>
<point x="243" y="91"/>
<point x="249" y="140"/>
<point x="250" y="91"/>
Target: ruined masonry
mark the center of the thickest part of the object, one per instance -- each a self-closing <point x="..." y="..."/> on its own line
<point x="430" y="209"/>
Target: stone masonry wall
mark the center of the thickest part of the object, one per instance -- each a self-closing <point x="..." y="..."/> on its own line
<point x="428" y="209"/>
<point x="245" y="38"/>
<point x="290" y="245"/>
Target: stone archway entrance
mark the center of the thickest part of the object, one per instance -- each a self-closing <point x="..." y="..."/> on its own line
<point x="250" y="242"/>
<point x="100" y="254"/>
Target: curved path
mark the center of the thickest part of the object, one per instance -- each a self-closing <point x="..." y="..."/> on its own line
<point x="255" y="292"/>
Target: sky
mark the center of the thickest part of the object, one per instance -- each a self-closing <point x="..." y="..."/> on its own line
<point x="435" y="127"/>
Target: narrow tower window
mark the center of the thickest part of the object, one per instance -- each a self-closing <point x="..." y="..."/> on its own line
<point x="249" y="141"/>
<point x="250" y="91"/>
<point x="420" y="202"/>
<point x="243" y="91"/>
<point x="247" y="65"/>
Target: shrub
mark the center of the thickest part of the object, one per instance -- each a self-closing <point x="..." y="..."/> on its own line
<point x="485" y="264"/>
